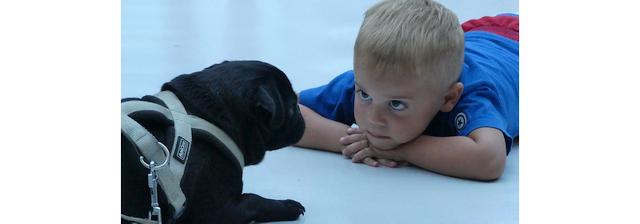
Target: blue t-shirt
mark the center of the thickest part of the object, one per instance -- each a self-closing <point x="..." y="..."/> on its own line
<point x="489" y="98"/>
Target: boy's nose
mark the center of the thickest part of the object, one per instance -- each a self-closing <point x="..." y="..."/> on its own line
<point x="376" y="116"/>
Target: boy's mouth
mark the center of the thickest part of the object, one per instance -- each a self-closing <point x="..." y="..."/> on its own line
<point x="377" y="136"/>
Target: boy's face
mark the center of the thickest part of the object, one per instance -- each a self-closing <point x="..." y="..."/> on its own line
<point x="392" y="110"/>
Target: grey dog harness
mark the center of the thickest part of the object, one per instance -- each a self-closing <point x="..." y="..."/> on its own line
<point x="168" y="177"/>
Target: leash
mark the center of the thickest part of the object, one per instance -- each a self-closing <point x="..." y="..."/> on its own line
<point x="155" y="213"/>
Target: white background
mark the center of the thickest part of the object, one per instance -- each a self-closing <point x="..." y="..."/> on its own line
<point x="60" y="94"/>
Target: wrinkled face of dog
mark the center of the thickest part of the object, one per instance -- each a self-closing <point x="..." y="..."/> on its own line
<point x="252" y="101"/>
<point x="272" y="103"/>
<point x="276" y="107"/>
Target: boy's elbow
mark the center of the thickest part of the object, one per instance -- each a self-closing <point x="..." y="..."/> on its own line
<point x="492" y="166"/>
<point x="493" y="171"/>
<point x="490" y="153"/>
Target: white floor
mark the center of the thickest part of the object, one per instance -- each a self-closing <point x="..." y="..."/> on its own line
<point x="311" y="41"/>
<point x="335" y="190"/>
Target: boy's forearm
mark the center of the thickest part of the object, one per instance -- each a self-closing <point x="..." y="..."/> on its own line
<point x="458" y="156"/>
<point x="321" y="133"/>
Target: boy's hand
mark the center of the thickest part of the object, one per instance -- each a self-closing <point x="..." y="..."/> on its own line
<point x="357" y="148"/>
<point x="370" y="152"/>
<point x="354" y="142"/>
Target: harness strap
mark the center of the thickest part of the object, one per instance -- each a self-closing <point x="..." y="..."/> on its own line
<point x="183" y="124"/>
<point x="148" y="146"/>
<point x="138" y="220"/>
<point x="199" y="123"/>
<point x="169" y="179"/>
<point x="129" y="107"/>
<point x="144" y="140"/>
<point x="181" y="142"/>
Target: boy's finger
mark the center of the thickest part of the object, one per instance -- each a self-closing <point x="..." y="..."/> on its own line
<point x="346" y="140"/>
<point x="359" y="156"/>
<point x="354" y="131"/>
<point x="354" y="148"/>
<point x="370" y="161"/>
<point x="388" y="163"/>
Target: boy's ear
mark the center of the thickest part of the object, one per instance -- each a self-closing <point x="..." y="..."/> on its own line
<point x="452" y="97"/>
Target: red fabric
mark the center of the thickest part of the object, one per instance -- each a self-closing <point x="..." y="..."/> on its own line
<point x="506" y="26"/>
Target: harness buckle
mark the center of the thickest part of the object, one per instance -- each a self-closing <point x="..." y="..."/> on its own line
<point x="152" y="179"/>
<point x="155" y="213"/>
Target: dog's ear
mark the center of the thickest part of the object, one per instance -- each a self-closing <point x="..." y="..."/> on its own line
<point x="214" y="65"/>
<point x="267" y="104"/>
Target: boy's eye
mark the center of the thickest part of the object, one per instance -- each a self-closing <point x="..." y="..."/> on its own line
<point x="397" y="105"/>
<point x="363" y="96"/>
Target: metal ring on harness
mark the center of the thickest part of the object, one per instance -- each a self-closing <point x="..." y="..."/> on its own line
<point x="166" y="153"/>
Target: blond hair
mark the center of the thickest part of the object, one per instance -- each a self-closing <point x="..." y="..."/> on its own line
<point x="420" y="36"/>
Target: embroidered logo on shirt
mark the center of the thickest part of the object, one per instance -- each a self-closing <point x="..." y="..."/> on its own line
<point x="461" y="120"/>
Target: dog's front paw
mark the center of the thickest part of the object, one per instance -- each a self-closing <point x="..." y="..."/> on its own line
<point x="280" y="210"/>
<point x="269" y="210"/>
<point x="294" y="209"/>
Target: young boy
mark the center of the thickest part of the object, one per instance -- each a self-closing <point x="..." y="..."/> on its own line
<point x="422" y="91"/>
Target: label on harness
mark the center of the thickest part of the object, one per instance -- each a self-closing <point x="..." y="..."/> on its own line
<point x="181" y="150"/>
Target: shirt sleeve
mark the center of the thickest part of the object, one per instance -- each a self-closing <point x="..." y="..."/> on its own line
<point x="333" y="101"/>
<point x="490" y="77"/>
<point x="481" y="108"/>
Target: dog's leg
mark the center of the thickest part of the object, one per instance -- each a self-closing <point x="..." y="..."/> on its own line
<point x="256" y="208"/>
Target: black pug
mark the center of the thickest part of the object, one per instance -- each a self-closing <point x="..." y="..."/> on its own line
<point x="254" y="103"/>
